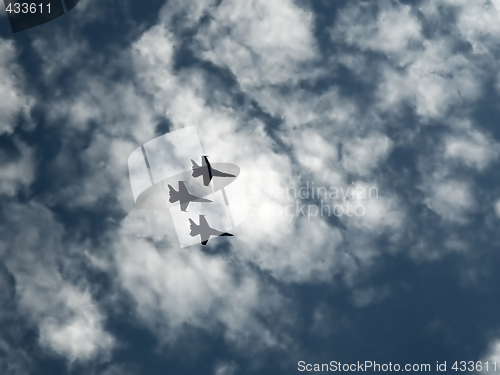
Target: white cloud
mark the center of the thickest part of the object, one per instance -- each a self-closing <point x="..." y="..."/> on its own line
<point x="19" y="173"/>
<point x="427" y="73"/>
<point x="391" y="32"/>
<point x="318" y="155"/>
<point x="14" y="101"/>
<point x="225" y="368"/>
<point x="331" y="112"/>
<point x="433" y="81"/>
<point x="182" y="97"/>
<point x="451" y="199"/>
<point x="126" y="120"/>
<point x="61" y="52"/>
<point x="301" y="250"/>
<point x="472" y="148"/>
<point x="77" y="333"/>
<point x="497" y="207"/>
<point x="190" y="11"/>
<point x="69" y="321"/>
<point x="260" y="41"/>
<point x="264" y="44"/>
<point x="381" y="210"/>
<point x="478" y="22"/>
<point x="173" y="287"/>
<point x="493" y="357"/>
<point x="362" y="155"/>
<point x="289" y="249"/>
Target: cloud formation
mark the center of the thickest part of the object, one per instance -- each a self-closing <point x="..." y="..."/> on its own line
<point x="15" y="102"/>
<point x="394" y="109"/>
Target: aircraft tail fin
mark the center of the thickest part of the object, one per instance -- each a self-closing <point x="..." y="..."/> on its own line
<point x="174" y="194"/>
<point x="195" y="228"/>
<point x="197" y="170"/>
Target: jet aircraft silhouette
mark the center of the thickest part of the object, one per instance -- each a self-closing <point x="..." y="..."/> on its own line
<point x="183" y="196"/>
<point x="204" y="230"/>
<point x="207" y="171"/>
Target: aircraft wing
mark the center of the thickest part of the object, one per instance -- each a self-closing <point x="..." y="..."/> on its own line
<point x="202" y="200"/>
<point x="204" y="222"/>
<point x="206" y="164"/>
<point x="217" y="173"/>
<point x="204" y="239"/>
<point x="184" y="206"/>
<point x="206" y="177"/>
<point x="182" y="188"/>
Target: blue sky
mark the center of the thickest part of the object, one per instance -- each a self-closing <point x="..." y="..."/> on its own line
<point x="400" y="97"/>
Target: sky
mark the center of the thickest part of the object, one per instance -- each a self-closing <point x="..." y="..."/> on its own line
<point x="390" y="107"/>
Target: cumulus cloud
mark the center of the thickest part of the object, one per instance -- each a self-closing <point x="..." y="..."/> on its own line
<point x="429" y="74"/>
<point x="451" y="199"/>
<point x="153" y="277"/>
<point x="146" y="260"/>
<point x="270" y="239"/>
<point x="436" y="80"/>
<point x="183" y="97"/>
<point x="390" y="31"/>
<point x="382" y="211"/>
<point x="59" y="53"/>
<point x="69" y="321"/>
<point x="262" y="42"/>
<point x="126" y="120"/>
<point x="79" y="335"/>
<point x="476" y="22"/>
<point x="317" y="155"/>
<point x="174" y="287"/>
<point x="473" y="149"/>
<point x="361" y="155"/>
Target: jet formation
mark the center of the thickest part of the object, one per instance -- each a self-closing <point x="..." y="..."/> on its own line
<point x="184" y="197"/>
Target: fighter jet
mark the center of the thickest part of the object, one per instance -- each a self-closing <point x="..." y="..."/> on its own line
<point x="204" y="230"/>
<point x="183" y="196"/>
<point x="207" y="171"/>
